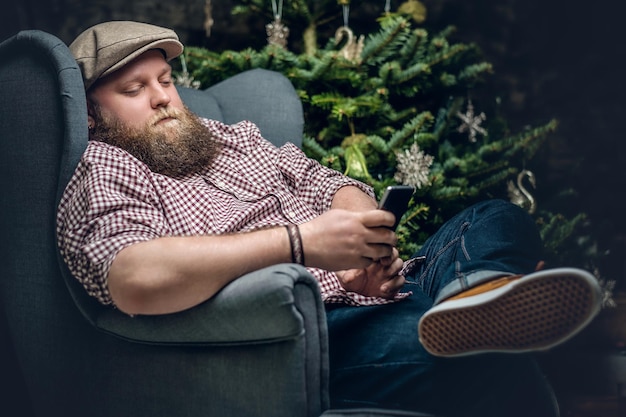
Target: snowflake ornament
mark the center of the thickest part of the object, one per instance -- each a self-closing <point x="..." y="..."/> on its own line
<point x="186" y="80"/>
<point x="413" y="167"/>
<point x="471" y="123"/>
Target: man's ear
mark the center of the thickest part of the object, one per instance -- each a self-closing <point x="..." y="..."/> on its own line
<point x="91" y="122"/>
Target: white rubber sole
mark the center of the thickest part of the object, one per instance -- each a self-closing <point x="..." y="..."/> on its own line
<point x="535" y="313"/>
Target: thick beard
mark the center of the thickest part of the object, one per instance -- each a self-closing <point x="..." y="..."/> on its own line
<point x="177" y="149"/>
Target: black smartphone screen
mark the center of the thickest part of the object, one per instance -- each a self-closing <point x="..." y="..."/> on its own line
<point x="396" y="200"/>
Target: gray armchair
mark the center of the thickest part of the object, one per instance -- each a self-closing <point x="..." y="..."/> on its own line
<point x="258" y="348"/>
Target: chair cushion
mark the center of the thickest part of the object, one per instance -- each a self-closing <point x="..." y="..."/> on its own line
<point x="266" y="98"/>
<point x="201" y="102"/>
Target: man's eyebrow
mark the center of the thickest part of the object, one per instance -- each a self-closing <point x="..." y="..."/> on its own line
<point x="167" y="68"/>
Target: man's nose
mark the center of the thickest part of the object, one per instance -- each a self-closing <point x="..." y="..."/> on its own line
<point x="160" y="97"/>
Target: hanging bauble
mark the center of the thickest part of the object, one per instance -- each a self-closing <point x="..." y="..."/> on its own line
<point x="519" y="194"/>
<point x="415" y="9"/>
<point x="277" y="32"/>
<point x="353" y="47"/>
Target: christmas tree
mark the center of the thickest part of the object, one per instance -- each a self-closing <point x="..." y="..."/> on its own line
<point x="400" y="105"/>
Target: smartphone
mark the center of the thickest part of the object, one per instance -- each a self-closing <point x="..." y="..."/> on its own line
<point x="396" y="200"/>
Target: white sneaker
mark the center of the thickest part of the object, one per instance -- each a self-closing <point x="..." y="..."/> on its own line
<point x="518" y="314"/>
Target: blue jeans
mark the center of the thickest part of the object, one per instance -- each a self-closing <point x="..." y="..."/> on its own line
<point x="376" y="358"/>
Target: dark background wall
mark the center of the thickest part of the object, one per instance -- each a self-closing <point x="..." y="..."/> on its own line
<point x="552" y="59"/>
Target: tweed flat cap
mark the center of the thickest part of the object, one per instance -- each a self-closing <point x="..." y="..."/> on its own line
<point x="107" y="47"/>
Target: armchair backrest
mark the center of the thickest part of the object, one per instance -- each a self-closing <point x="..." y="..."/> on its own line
<point x="67" y="364"/>
<point x="265" y="97"/>
<point x="42" y="135"/>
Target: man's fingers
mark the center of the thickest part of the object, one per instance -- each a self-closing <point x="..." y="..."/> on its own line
<point x="377" y="218"/>
<point x="377" y="252"/>
<point x="390" y="288"/>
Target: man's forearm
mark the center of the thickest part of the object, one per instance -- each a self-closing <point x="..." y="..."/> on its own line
<point x="352" y="198"/>
<point x="171" y="274"/>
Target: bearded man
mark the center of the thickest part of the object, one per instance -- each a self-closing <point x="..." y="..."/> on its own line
<point x="165" y="209"/>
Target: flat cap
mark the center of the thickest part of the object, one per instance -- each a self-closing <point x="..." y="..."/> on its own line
<point x="107" y="47"/>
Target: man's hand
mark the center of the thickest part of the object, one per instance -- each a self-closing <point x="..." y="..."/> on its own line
<point x="341" y="239"/>
<point x="379" y="279"/>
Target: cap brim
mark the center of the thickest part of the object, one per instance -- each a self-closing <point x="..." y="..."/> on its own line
<point x="171" y="47"/>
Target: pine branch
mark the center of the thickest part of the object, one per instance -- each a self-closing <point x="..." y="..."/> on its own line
<point x="474" y="71"/>
<point x="414" y="49"/>
<point x="380" y="46"/>
<point x="410" y="74"/>
<point x="416" y="125"/>
<point x="312" y="148"/>
<point x="529" y="141"/>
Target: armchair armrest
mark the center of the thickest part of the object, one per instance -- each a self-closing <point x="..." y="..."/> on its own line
<point x="265" y="306"/>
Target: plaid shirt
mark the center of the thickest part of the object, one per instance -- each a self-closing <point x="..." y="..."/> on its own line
<point x="114" y="200"/>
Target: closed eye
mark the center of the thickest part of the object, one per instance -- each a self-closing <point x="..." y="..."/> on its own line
<point x="132" y="91"/>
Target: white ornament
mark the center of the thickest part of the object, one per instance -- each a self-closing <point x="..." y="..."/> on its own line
<point x="471" y="123"/>
<point x="413" y="167"/>
<point x="277" y="32"/>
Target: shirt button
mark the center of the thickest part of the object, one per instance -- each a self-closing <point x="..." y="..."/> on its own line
<point x="291" y="214"/>
<point x="221" y="184"/>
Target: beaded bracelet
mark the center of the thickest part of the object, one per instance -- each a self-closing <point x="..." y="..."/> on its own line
<point x="295" y="240"/>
